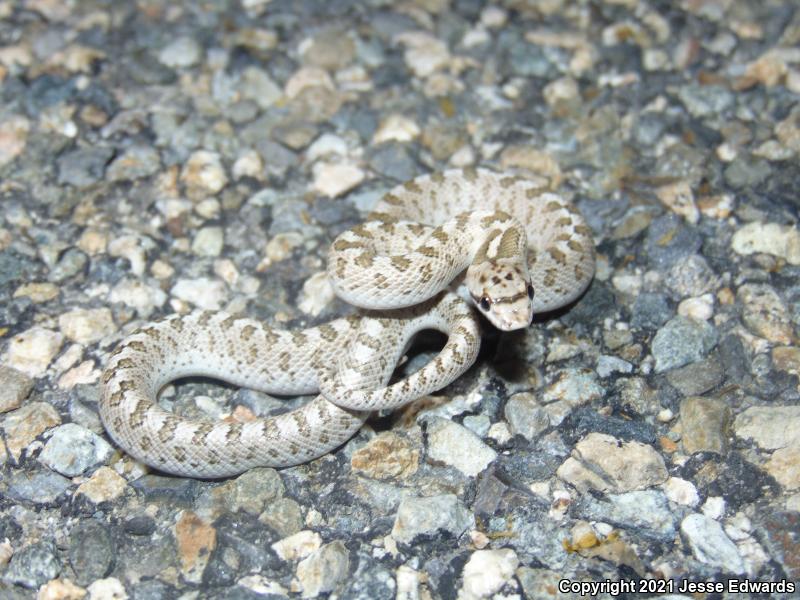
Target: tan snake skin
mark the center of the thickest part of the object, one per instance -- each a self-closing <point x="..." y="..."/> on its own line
<point x="416" y="243"/>
<point x="249" y="354"/>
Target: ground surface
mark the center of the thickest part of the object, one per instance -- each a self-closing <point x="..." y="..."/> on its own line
<point x="157" y="157"/>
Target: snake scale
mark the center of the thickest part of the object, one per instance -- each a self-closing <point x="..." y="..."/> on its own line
<point x="518" y="250"/>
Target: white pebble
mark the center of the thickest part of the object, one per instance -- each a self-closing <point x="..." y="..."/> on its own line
<point x="203" y="292"/>
<point x="714" y="507"/>
<point x="87" y="326"/>
<point x="335" y="179"/>
<point x="768" y="238"/>
<point x="204" y="174"/>
<point x="298" y="545"/>
<point x="326" y="145"/>
<point x="486" y="572"/>
<point x="110" y="588"/>
<point x="317" y="294"/>
<point x="32" y="350"/>
<point x="396" y="128"/>
<point x="182" y="52"/>
<point x="681" y="491"/>
<point x="208" y="242"/>
<point x="701" y="308"/>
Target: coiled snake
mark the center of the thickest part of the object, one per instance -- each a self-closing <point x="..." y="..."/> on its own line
<point x="517" y="249"/>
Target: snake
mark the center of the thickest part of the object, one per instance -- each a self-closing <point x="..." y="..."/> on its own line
<point x="431" y="250"/>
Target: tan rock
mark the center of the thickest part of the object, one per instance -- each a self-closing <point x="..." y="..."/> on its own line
<point x="536" y="161"/>
<point x="387" y="456"/>
<point x="33" y="350"/>
<point x="602" y="462"/>
<point x="87" y="326"/>
<point x="25" y="424"/>
<point x="765" y="313"/>
<point x="196" y="540"/>
<point x="60" y="589"/>
<point x="37" y="292"/>
<point x="679" y="198"/>
<point x="13" y="137"/>
<point x="104" y="485"/>
<point x="324" y="569"/>
<point x="784" y="466"/>
<point x="705" y="423"/>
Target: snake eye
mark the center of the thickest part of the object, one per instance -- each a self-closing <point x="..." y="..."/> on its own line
<point x="530" y="291"/>
<point x="485" y="303"/>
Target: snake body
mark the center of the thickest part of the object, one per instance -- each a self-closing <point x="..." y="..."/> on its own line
<point x="247" y="353"/>
<point x="518" y="249"/>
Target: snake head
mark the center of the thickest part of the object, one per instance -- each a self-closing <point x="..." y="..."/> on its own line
<point x="503" y="292"/>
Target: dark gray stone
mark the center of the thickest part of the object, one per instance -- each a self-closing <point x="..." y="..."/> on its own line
<point x="706" y="100"/>
<point x="697" y="378"/>
<point x="139" y="525"/>
<point x="583" y="421"/>
<point x="70" y="264"/>
<point x="172" y="489"/>
<point x="153" y="589"/>
<point x="643" y="513"/>
<point x="39" y="487"/>
<point x="682" y="341"/>
<point x="650" y="310"/>
<point x="745" y="172"/>
<point x="371" y="580"/>
<point x="669" y="239"/>
<point x="91" y="552"/>
<point x="33" y="566"/>
<point x="146" y="69"/>
<point x="14" y="388"/>
<point x="84" y="166"/>
<point x="394" y="161"/>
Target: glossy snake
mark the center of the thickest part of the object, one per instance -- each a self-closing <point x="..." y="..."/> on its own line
<point x="518" y="250"/>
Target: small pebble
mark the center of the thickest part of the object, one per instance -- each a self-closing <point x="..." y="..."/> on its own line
<point x="525" y="417"/>
<point x="704" y="422"/>
<point x="324" y="569"/>
<point x="604" y="463"/>
<point x="13" y="137"/>
<point x="208" y="241"/>
<point x="136" y="162"/>
<point x="710" y="545"/>
<point x="203" y="174"/>
<point x="32" y="351"/>
<point x="14" y="388"/>
<point x="104" y="485"/>
<point x="297" y="546"/>
<point x="456" y="446"/>
<point x="139" y="296"/>
<point x="205" y="293"/>
<point x="180" y="53"/>
<point x="387" y="456"/>
<point x="33" y="566"/>
<point x="681" y="491"/>
<point x="770" y="427"/>
<point x="195" y="540"/>
<point x="486" y="572"/>
<point x="87" y="326"/>
<point x="427" y="516"/>
<point x="109" y="588"/>
<point x="73" y="449"/>
<point x="682" y="341"/>
<point x="334" y="179"/>
<point x="25" y="424"/>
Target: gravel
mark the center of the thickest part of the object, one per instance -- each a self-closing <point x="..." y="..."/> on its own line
<point x="157" y="159"/>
